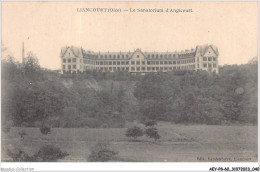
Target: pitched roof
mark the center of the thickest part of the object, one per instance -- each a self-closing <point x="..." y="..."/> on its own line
<point x="77" y="51"/>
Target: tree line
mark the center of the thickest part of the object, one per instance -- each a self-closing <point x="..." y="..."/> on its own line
<point x="37" y="97"/>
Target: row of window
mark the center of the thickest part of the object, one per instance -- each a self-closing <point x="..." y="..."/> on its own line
<point x="144" y="68"/>
<point x="144" y="62"/>
<point x="209" y="65"/>
<point x="118" y="56"/>
<point x="71" y="67"/>
<point x="69" y="60"/>
<point x="209" y="59"/>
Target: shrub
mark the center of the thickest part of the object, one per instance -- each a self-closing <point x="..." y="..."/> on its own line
<point x="150" y="123"/>
<point x="45" y="129"/>
<point x="134" y="132"/>
<point x="22" y="134"/>
<point x="46" y="153"/>
<point x="152" y="133"/>
<point x="49" y="153"/>
<point x="102" y="153"/>
<point x="18" y="155"/>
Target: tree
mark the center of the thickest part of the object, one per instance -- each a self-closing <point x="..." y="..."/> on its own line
<point x="134" y="132"/>
<point x="152" y="133"/>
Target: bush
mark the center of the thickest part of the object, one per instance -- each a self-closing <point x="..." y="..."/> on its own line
<point x="45" y="130"/>
<point x="152" y="133"/>
<point x="49" y="153"/>
<point x="18" y="155"/>
<point x="150" y="123"/>
<point x="46" y="153"/>
<point x="134" y="132"/>
<point x="102" y="153"/>
<point x="22" y="134"/>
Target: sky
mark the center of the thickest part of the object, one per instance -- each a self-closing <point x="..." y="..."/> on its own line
<point x="45" y="27"/>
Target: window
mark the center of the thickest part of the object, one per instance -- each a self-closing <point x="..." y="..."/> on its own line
<point x="157" y="62"/>
<point x="198" y="65"/>
<point x="204" y="58"/>
<point x="101" y="63"/>
<point x="114" y="56"/>
<point x="101" y="56"/>
<point x="209" y="59"/>
<point x="127" y="56"/>
<point x="123" y="56"/>
<point x="127" y="68"/>
<point x="148" y="62"/>
<point x="137" y="56"/>
<point x="165" y="62"/>
<point x="138" y="62"/>
<point x="110" y="63"/>
<point x="143" y="68"/>
<point x="157" y="55"/>
<point x="148" y="56"/>
<point x="138" y="68"/>
<point x="214" y="58"/>
<point x="161" y="62"/>
<point x="114" y="68"/>
<point x="143" y="62"/>
<point x="110" y="68"/>
<point x="204" y="64"/>
<point x="210" y="65"/>
<point x="64" y="60"/>
<point x="105" y="56"/>
<point x="74" y="66"/>
<point x="118" y="56"/>
<point x="152" y="55"/>
<point x="174" y="62"/>
<point x="133" y="63"/>
<point x="157" y="68"/>
<point x="109" y="56"/>
<point x="153" y="68"/>
<point x="118" y="63"/>
<point x="214" y="65"/>
<point x="64" y="67"/>
<point x="170" y="68"/>
<point x="165" y="55"/>
<point x="123" y="63"/>
<point x="132" y="68"/>
<point x="118" y="68"/>
<point x="148" y="68"/>
<point x="165" y="68"/>
<point x="170" y="62"/>
<point x="178" y="62"/>
<point x="127" y="62"/>
<point x="80" y="60"/>
<point x="69" y="60"/>
<point x="114" y="63"/>
<point x="161" y="68"/>
<point x="161" y="55"/>
<point x="105" y="62"/>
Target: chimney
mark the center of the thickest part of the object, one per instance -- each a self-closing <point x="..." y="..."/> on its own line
<point x="23" y="60"/>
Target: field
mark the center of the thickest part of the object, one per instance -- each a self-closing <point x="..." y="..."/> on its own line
<point x="178" y="143"/>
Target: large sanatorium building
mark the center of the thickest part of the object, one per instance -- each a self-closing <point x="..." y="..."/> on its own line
<point x="74" y="59"/>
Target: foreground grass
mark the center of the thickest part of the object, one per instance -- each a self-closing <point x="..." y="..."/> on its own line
<point x="177" y="143"/>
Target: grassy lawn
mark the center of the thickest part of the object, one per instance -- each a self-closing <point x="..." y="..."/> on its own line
<point x="178" y="143"/>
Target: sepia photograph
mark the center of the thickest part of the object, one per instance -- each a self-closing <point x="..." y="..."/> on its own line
<point x="129" y="81"/>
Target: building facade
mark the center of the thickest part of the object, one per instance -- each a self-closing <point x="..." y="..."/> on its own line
<point x="75" y="59"/>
